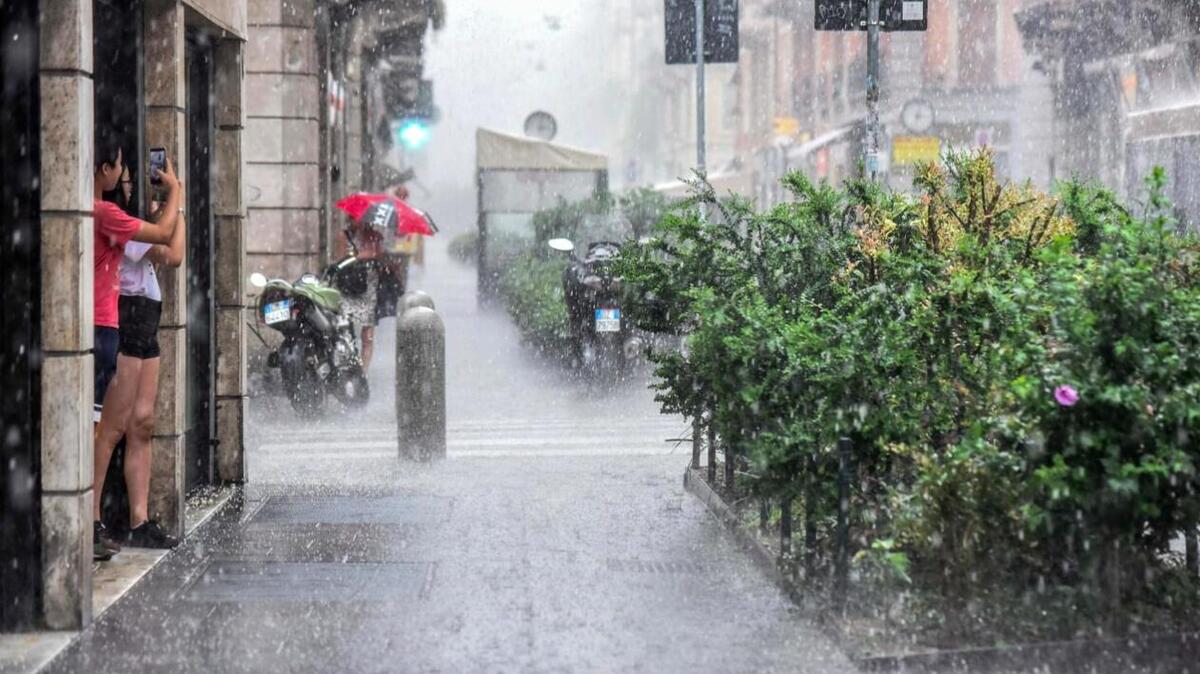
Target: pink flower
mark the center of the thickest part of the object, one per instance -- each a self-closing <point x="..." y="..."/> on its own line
<point x="1066" y="396"/>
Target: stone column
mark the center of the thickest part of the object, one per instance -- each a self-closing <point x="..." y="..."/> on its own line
<point x="283" y="236"/>
<point x="166" y="119"/>
<point x="67" y="273"/>
<point x="231" y="257"/>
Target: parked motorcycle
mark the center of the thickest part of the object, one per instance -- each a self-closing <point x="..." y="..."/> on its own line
<point x="603" y="338"/>
<point x="319" y="355"/>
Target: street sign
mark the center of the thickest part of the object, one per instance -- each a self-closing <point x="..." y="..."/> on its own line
<point x="721" y="44"/>
<point x="907" y="150"/>
<point x="841" y="15"/>
<point x="851" y="15"/>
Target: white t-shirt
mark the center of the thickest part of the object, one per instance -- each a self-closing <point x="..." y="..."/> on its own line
<point x="137" y="272"/>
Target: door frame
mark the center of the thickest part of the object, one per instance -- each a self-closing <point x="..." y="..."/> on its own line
<point x="200" y="450"/>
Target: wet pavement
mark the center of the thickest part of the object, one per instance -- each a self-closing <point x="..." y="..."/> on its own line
<point x="556" y="537"/>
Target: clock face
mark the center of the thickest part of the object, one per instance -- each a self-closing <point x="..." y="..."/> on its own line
<point x="917" y="116"/>
<point x="541" y="125"/>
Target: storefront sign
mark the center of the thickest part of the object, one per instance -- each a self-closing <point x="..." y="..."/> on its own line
<point x="786" y="126"/>
<point x="908" y="150"/>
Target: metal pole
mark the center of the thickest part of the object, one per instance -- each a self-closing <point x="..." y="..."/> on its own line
<point x="842" y="560"/>
<point x="712" y="450"/>
<point x="700" y="121"/>
<point x="785" y="528"/>
<point x="873" y="131"/>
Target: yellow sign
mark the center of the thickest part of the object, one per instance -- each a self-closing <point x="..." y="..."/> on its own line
<point x="787" y="126"/>
<point x="914" y="149"/>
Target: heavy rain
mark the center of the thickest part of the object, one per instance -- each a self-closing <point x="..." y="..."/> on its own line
<point x="663" y="335"/>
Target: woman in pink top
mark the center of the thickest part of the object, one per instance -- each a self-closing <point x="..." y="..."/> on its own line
<point x="113" y="228"/>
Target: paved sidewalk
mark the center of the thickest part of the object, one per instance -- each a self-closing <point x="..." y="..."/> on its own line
<point x="556" y="537"/>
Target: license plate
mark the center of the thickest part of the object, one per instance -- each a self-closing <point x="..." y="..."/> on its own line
<point x="277" y="312"/>
<point x="608" y="320"/>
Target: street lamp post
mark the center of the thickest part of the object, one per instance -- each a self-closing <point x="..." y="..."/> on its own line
<point x="873" y="131"/>
<point x="700" y="94"/>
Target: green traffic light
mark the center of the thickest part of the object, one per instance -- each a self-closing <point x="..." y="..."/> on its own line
<point x="414" y="134"/>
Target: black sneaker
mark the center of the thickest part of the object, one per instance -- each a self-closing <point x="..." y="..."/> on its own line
<point x="103" y="546"/>
<point x="149" y="535"/>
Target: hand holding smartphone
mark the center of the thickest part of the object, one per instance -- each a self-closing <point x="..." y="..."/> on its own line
<point x="158" y="163"/>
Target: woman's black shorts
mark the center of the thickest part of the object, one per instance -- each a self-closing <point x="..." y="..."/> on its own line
<point x="139" y="317"/>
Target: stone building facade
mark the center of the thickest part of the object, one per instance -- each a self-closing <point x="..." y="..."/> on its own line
<point x="166" y="73"/>
<point x="317" y="117"/>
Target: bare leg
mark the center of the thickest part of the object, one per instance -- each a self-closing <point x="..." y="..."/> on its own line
<point x="138" y="442"/>
<point x="114" y="419"/>
<point x="368" y="345"/>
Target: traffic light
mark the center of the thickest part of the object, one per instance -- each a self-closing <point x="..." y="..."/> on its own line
<point x="413" y="133"/>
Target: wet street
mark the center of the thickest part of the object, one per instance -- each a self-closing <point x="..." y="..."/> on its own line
<point x="555" y="537"/>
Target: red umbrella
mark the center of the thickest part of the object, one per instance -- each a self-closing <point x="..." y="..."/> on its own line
<point x="388" y="214"/>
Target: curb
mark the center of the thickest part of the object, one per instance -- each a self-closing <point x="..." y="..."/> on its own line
<point x="1163" y="653"/>
<point x="763" y="558"/>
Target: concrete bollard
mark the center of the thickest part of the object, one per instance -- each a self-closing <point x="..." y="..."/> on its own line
<point x="416" y="298"/>
<point x="421" y="384"/>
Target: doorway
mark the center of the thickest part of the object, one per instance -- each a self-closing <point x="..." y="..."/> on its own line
<point x="20" y="322"/>
<point x="118" y="90"/>
<point x="201" y="330"/>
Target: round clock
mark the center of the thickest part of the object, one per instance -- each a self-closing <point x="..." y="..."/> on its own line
<point x="541" y="125"/>
<point x="917" y="116"/>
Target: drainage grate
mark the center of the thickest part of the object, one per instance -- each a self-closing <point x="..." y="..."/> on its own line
<point x="237" y="581"/>
<point x="644" y="566"/>
<point x="397" y="509"/>
<point x="343" y="543"/>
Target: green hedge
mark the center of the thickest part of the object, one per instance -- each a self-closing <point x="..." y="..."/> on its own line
<point x="531" y="282"/>
<point x="532" y="293"/>
<point x="464" y="248"/>
<point x="1019" y="374"/>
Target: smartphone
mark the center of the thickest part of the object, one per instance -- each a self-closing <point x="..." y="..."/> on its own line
<point x="158" y="162"/>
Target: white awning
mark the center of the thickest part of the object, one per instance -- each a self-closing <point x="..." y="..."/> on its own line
<point x="501" y="151"/>
<point x="723" y="182"/>
<point x="829" y="138"/>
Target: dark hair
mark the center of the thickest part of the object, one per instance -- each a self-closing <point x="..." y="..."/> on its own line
<point x="108" y="148"/>
<point x="117" y="196"/>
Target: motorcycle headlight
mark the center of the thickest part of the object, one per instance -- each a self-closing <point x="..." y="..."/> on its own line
<point x="594" y="282"/>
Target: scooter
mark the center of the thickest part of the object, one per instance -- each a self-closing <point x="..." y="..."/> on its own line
<point x="319" y="355"/>
<point x="602" y="336"/>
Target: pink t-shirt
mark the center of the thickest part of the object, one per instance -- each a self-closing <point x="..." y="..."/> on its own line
<point x="113" y="228"/>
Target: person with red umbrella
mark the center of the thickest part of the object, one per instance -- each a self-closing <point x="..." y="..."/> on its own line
<point x="359" y="285"/>
<point x="378" y="222"/>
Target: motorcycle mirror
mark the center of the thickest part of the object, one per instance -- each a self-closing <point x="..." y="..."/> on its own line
<point x="561" y="245"/>
<point x="258" y="280"/>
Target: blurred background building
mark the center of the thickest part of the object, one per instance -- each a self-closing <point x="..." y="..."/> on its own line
<point x="329" y="82"/>
<point x="1095" y="89"/>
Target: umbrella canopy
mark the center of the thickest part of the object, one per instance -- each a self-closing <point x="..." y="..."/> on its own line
<point x="386" y="213"/>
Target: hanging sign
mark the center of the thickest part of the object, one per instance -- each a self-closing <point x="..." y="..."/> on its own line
<point x="721" y="43"/>
<point x="851" y="15"/>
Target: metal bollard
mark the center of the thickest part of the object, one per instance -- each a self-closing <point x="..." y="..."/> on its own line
<point x="421" y="385"/>
<point x="415" y="298"/>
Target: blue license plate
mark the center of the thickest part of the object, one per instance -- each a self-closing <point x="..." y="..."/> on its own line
<point x="277" y="312"/>
<point x="608" y="320"/>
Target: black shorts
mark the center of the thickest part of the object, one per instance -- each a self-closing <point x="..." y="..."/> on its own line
<point x="104" y="346"/>
<point x="139" y="326"/>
